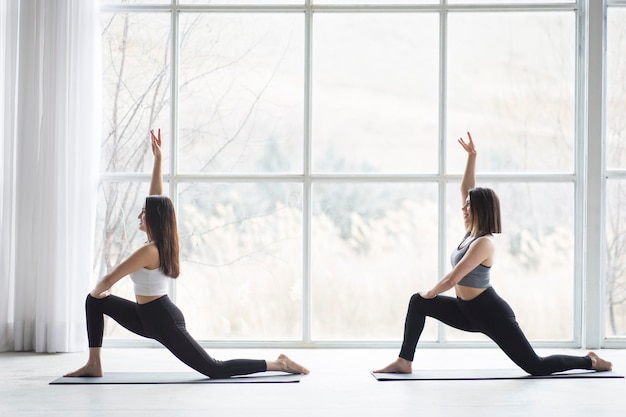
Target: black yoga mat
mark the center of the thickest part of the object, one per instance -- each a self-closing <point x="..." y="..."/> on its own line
<point x="478" y="374"/>
<point x="173" y="378"/>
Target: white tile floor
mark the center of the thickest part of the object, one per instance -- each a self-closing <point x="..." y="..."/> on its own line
<point x="339" y="385"/>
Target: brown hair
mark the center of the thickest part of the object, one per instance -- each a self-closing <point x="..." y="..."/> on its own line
<point x="163" y="231"/>
<point x="485" y="209"/>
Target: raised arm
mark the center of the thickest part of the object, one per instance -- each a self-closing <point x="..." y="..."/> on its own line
<point x="469" y="176"/>
<point x="156" y="183"/>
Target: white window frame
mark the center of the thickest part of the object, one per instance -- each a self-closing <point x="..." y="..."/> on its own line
<point x="589" y="176"/>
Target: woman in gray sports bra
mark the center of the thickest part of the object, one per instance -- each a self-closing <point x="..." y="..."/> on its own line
<point x="477" y="307"/>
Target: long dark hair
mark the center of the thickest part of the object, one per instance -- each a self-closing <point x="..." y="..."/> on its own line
<point x="485" y="209"/>
<point x="163" y="231"/>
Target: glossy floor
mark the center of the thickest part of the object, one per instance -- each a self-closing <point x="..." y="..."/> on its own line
<point x="339" y="385"/>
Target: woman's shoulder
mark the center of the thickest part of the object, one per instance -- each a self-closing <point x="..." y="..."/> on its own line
<point x="485" y="237"/>
<point x="484" y="242"/>
<point x="148" y="247"/>
<point x="149" y="254"/>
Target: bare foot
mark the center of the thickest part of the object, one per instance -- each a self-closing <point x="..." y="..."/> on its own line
<point x="90" y="369"/>
<point x="287" y="365"/>
<point x="599" y="364"/>
<point x="399" y="366"/>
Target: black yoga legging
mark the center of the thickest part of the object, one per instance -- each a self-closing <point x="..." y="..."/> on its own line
<point x="162" y="321"/>
<point x="488" y="314"/>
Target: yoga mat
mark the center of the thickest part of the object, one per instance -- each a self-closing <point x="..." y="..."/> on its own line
<point x="173" y="378"/>
<point x="478" y="374"/>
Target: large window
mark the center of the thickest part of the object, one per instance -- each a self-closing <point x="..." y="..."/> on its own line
<point x="311" y="154"/>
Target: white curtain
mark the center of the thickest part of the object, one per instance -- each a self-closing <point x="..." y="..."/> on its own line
<point x="50" y="79"/>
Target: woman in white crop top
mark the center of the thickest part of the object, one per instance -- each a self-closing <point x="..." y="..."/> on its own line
<point x="477" y="307"/>
<point x="153" y="314"/>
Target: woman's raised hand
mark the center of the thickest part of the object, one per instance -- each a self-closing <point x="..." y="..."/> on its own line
<point x="156" y="182"/>
<point x="156" y="142"/>
<point x="469" y="145"/>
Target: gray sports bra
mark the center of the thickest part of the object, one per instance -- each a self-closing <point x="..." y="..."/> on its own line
<point x="479" y="276"/>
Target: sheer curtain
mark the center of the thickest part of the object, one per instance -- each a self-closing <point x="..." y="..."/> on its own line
<point x="49" y="117"/>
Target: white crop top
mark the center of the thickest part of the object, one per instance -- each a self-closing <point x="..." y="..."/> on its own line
<point x="150" y="281"/>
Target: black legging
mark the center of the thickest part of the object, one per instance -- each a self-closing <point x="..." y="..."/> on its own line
<point x="162" y="321"/>
<point x="488" y="314"/>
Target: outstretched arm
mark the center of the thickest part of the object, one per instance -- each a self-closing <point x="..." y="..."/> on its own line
<point x="144" y="257"/>
<point x="469" y="176"/>
<point x="478" y="253"/>
<point x="156" y="183"/>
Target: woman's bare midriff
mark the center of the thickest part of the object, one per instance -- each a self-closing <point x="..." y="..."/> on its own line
<point x="468" y="293"/>
<point x="143" y="299"/>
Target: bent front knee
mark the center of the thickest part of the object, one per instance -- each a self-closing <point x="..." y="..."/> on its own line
<point x="416" y="299"/>
<point x="89" y="299"/>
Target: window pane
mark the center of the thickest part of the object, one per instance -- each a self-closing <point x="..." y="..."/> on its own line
<point x="241" y="2"/>
<point x="241" y="92"/>
<point x="159" y="2"/>
<point x="241" y="257"/>
<point x="616" y="258"/>
<point x="205" y="2"/>
<point x="534" y="266"/>
<point x="515" y="91"/>
<point x="136" y="88"/>
<point x="509" y="1"/>
<point x="372" y="247"/>
<point x="616" y="89"/>
<point x="377" y="2"/>
<point x="375" y="92"/>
